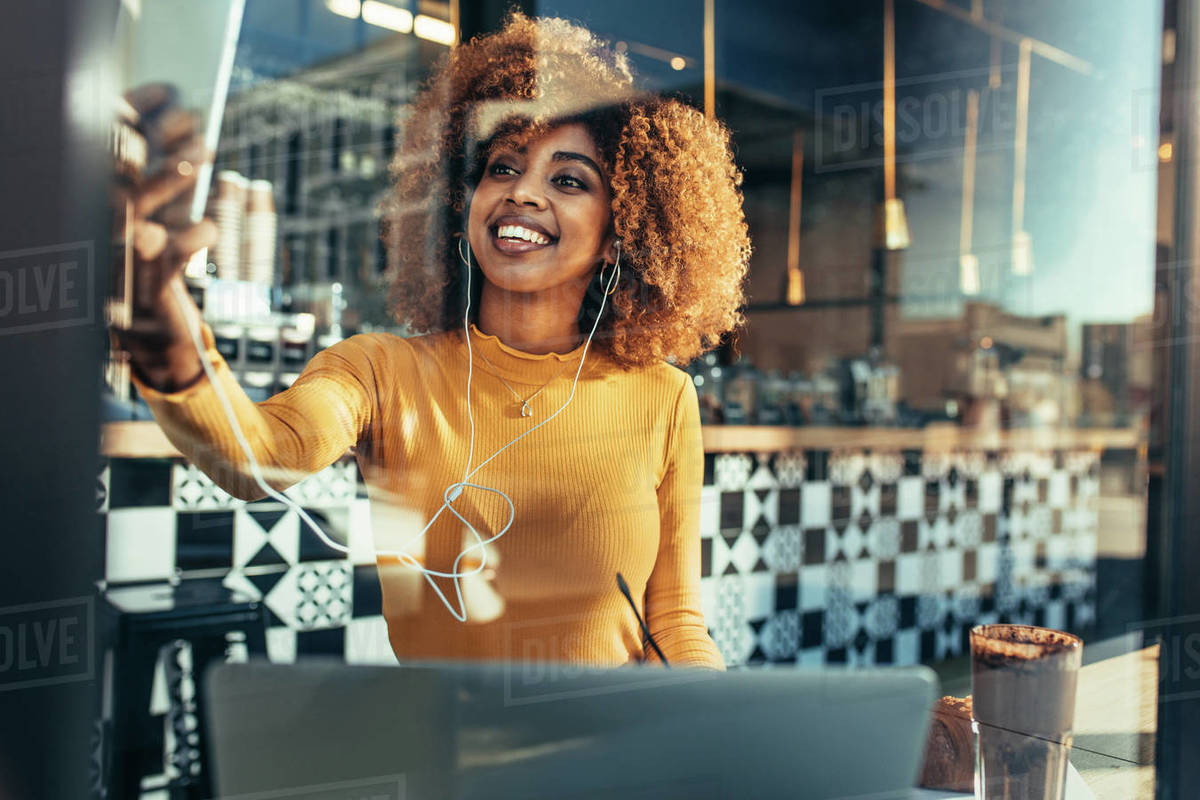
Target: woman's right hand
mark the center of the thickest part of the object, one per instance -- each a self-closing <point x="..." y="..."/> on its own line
<point x="152" y="219"/>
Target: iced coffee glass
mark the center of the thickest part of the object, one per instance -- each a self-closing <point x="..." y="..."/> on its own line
<point x="1023" y="685"/>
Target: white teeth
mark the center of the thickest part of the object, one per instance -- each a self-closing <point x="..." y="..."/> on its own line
<point x="517" y="232"/>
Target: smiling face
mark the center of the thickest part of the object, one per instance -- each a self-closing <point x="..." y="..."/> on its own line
<point x="540" y="217"/>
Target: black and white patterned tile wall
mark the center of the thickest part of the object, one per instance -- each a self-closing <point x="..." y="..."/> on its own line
<point x="809" y="557"/>
<point x="165" y="520"/>
<point x="890" y="558"/>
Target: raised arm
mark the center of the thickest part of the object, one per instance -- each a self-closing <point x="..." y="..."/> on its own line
<point x="329" y="408"/>
<point x="673" y="591"/>
<point x="291" y="435"/>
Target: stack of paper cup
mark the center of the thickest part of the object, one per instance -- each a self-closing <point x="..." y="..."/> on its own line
<point x="258" y="235"/>
<point x="229" y="210"/>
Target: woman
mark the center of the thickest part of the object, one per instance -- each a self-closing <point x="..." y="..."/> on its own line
<point x="558" y="239"/>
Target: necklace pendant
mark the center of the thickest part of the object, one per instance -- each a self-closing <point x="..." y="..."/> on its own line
<point x="525" y="411"/>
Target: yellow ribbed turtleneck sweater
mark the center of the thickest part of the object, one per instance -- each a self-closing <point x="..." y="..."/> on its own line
<point x="610" y="484"/>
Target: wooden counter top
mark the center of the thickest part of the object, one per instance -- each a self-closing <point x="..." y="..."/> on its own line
<point x="144" y="439"/>
<point x="1116" y="718"/>
<point x="938" y="437"/>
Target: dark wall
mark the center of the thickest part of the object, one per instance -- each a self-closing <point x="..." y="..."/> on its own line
<point x="483" y="16"/>
<point x="54" y="107"/>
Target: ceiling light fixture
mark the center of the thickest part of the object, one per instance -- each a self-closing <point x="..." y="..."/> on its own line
<point x="344" y="8"/>
<point x="434" y="30"/>
<point x="387" y="16"/>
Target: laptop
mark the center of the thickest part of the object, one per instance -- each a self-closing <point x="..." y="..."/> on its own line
<point x="320" y="729"/>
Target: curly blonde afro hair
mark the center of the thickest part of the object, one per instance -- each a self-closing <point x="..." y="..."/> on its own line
<point x="676" y="196"/>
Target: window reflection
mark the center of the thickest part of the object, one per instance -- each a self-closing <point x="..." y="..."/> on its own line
<point x="936" y="416"/>
<point x="951" y="223"/>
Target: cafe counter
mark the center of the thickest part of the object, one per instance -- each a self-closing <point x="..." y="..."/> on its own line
<point x="144" y="439"/>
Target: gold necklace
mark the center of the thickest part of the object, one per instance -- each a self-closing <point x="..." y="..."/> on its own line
<point x="526" y="411"/>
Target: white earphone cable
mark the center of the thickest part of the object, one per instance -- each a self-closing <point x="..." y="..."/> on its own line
<point x="451" y="492"/>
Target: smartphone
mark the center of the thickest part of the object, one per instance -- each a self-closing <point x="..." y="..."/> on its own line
<point x="189" y="44"/>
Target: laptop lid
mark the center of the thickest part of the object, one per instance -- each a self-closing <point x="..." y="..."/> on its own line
<point x="322" y="729"/>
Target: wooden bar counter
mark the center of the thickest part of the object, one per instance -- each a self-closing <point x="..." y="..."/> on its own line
<point x="144" y="439"/>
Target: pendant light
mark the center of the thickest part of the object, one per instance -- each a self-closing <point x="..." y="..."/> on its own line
<point x="968" y="264"/>
<point x="710" y="59"/>
<point x="795" y="281"/>
<point x="1022" y="245"/>
<point x="895" y="222"/>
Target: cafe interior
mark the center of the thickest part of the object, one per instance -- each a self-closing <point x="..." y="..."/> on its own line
<point x="961" y="407"/>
